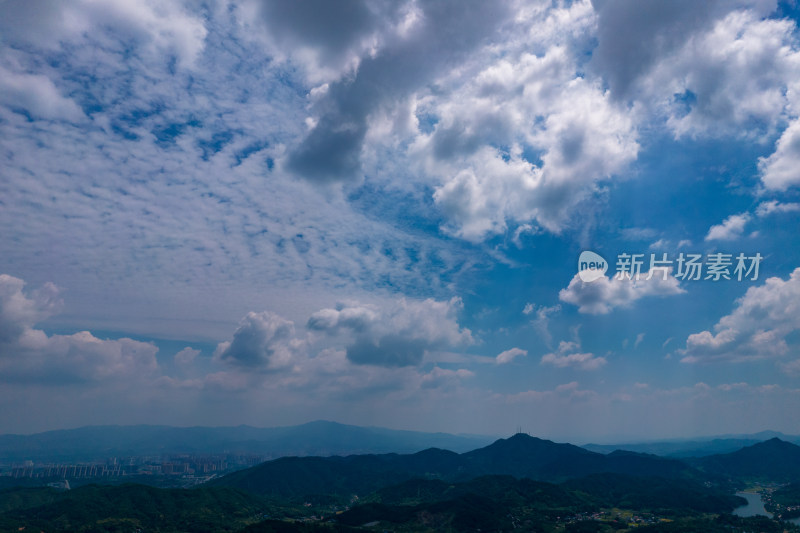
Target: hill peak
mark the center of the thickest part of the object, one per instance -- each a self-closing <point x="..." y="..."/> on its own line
<point x="775" y="444"/>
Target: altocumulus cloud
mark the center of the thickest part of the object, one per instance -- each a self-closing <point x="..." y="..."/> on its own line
<point x="157" y="27"/>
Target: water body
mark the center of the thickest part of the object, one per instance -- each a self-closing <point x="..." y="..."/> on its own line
<point x="754" y="505"/>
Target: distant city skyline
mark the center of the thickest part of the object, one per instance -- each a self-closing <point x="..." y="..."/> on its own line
<point x="268" y="213"/>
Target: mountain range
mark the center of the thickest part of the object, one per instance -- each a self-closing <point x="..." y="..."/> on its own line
<point x="695" y="447"/>
<point x="773" y="460"/>
<point x="319" y="438"/>
<point x="521" y="456"/>
<point x="521" y="482"/>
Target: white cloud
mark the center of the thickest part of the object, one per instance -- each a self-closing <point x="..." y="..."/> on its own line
<point x="635" y="37"/>
<point x="775" y="207"/>
<point x="352" y="351"/>
<point x="509" y="355"/>
<point x="186" y="356"/>
<point x="569" y="355"/>
<point x="28" y="354"/>
<point x="580" y="136"/>
<point x="731" y="228"/>
<point x="162" y="25"/>
<point x="757" y="327"/>
<point x="638" y="234"/>
<point x="332" y="150"/>
<point x="639" y="339"/>
<point x="604" y="294"/>
<point x="738" y="73"/>
<point x="262" y="340"/>
<point x="444" y="377"/>
<point x="397" y="336"/>
<point x="792" y="367"/>
<point x="712" y="68"/>
<point x="195" y="153"/>
<point x="541" y="320"/>
<point x="328" y="41"/>
<point x="564" y="391"/>
<point x="36" y="94"/>
<point x="779" y="170"/>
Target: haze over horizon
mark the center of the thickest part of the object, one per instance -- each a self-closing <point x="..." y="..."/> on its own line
<point x="254" y="212"/>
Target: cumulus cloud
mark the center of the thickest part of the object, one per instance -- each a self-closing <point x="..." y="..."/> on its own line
<point x="396" y="336"/>
<point x="712" y="67"/>
<point x="327" y="40"/>
<point x="533" y="104"/>
<point x="756" y="329"/>
<point x="601" y="296"/>
<point x="731" y="228"/>
<point x="779" y="170"/>
<point x="569" y="355"/>
<point x="186" y="356"/>
<point x="507" y="136"/>
<point x="19" y="312"/>
<point x="29" y="354"/>
<point x="262" y="340"/>
<point x="735" y="76"/>
<point x="634" y="36"/>
<point x="509" y="355"/>
<point x="332" y="149"/>
<point x="775" y="207"/>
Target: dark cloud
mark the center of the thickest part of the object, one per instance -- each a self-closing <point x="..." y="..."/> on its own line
<point x="389" y="350"/>
<point x="393" y="337"/>
<point x="634" y="35"/>
<point x="259" y="338"/>
<point x="443" y="35"/>
<point x="331" y="28"/>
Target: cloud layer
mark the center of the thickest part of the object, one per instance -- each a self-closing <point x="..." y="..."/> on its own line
<point x="757" y="328"/>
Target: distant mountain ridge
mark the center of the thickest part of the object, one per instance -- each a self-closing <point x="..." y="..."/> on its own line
<point x="520" y="456"/>
<point x="773" y="460"/>
<point x="695" y="447"/>
<point x="314" y="438"/>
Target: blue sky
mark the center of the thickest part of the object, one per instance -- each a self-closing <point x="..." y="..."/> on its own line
<point x="258" y="212"/>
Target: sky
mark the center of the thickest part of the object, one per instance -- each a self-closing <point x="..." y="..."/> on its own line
<point x="223" y="212"/>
